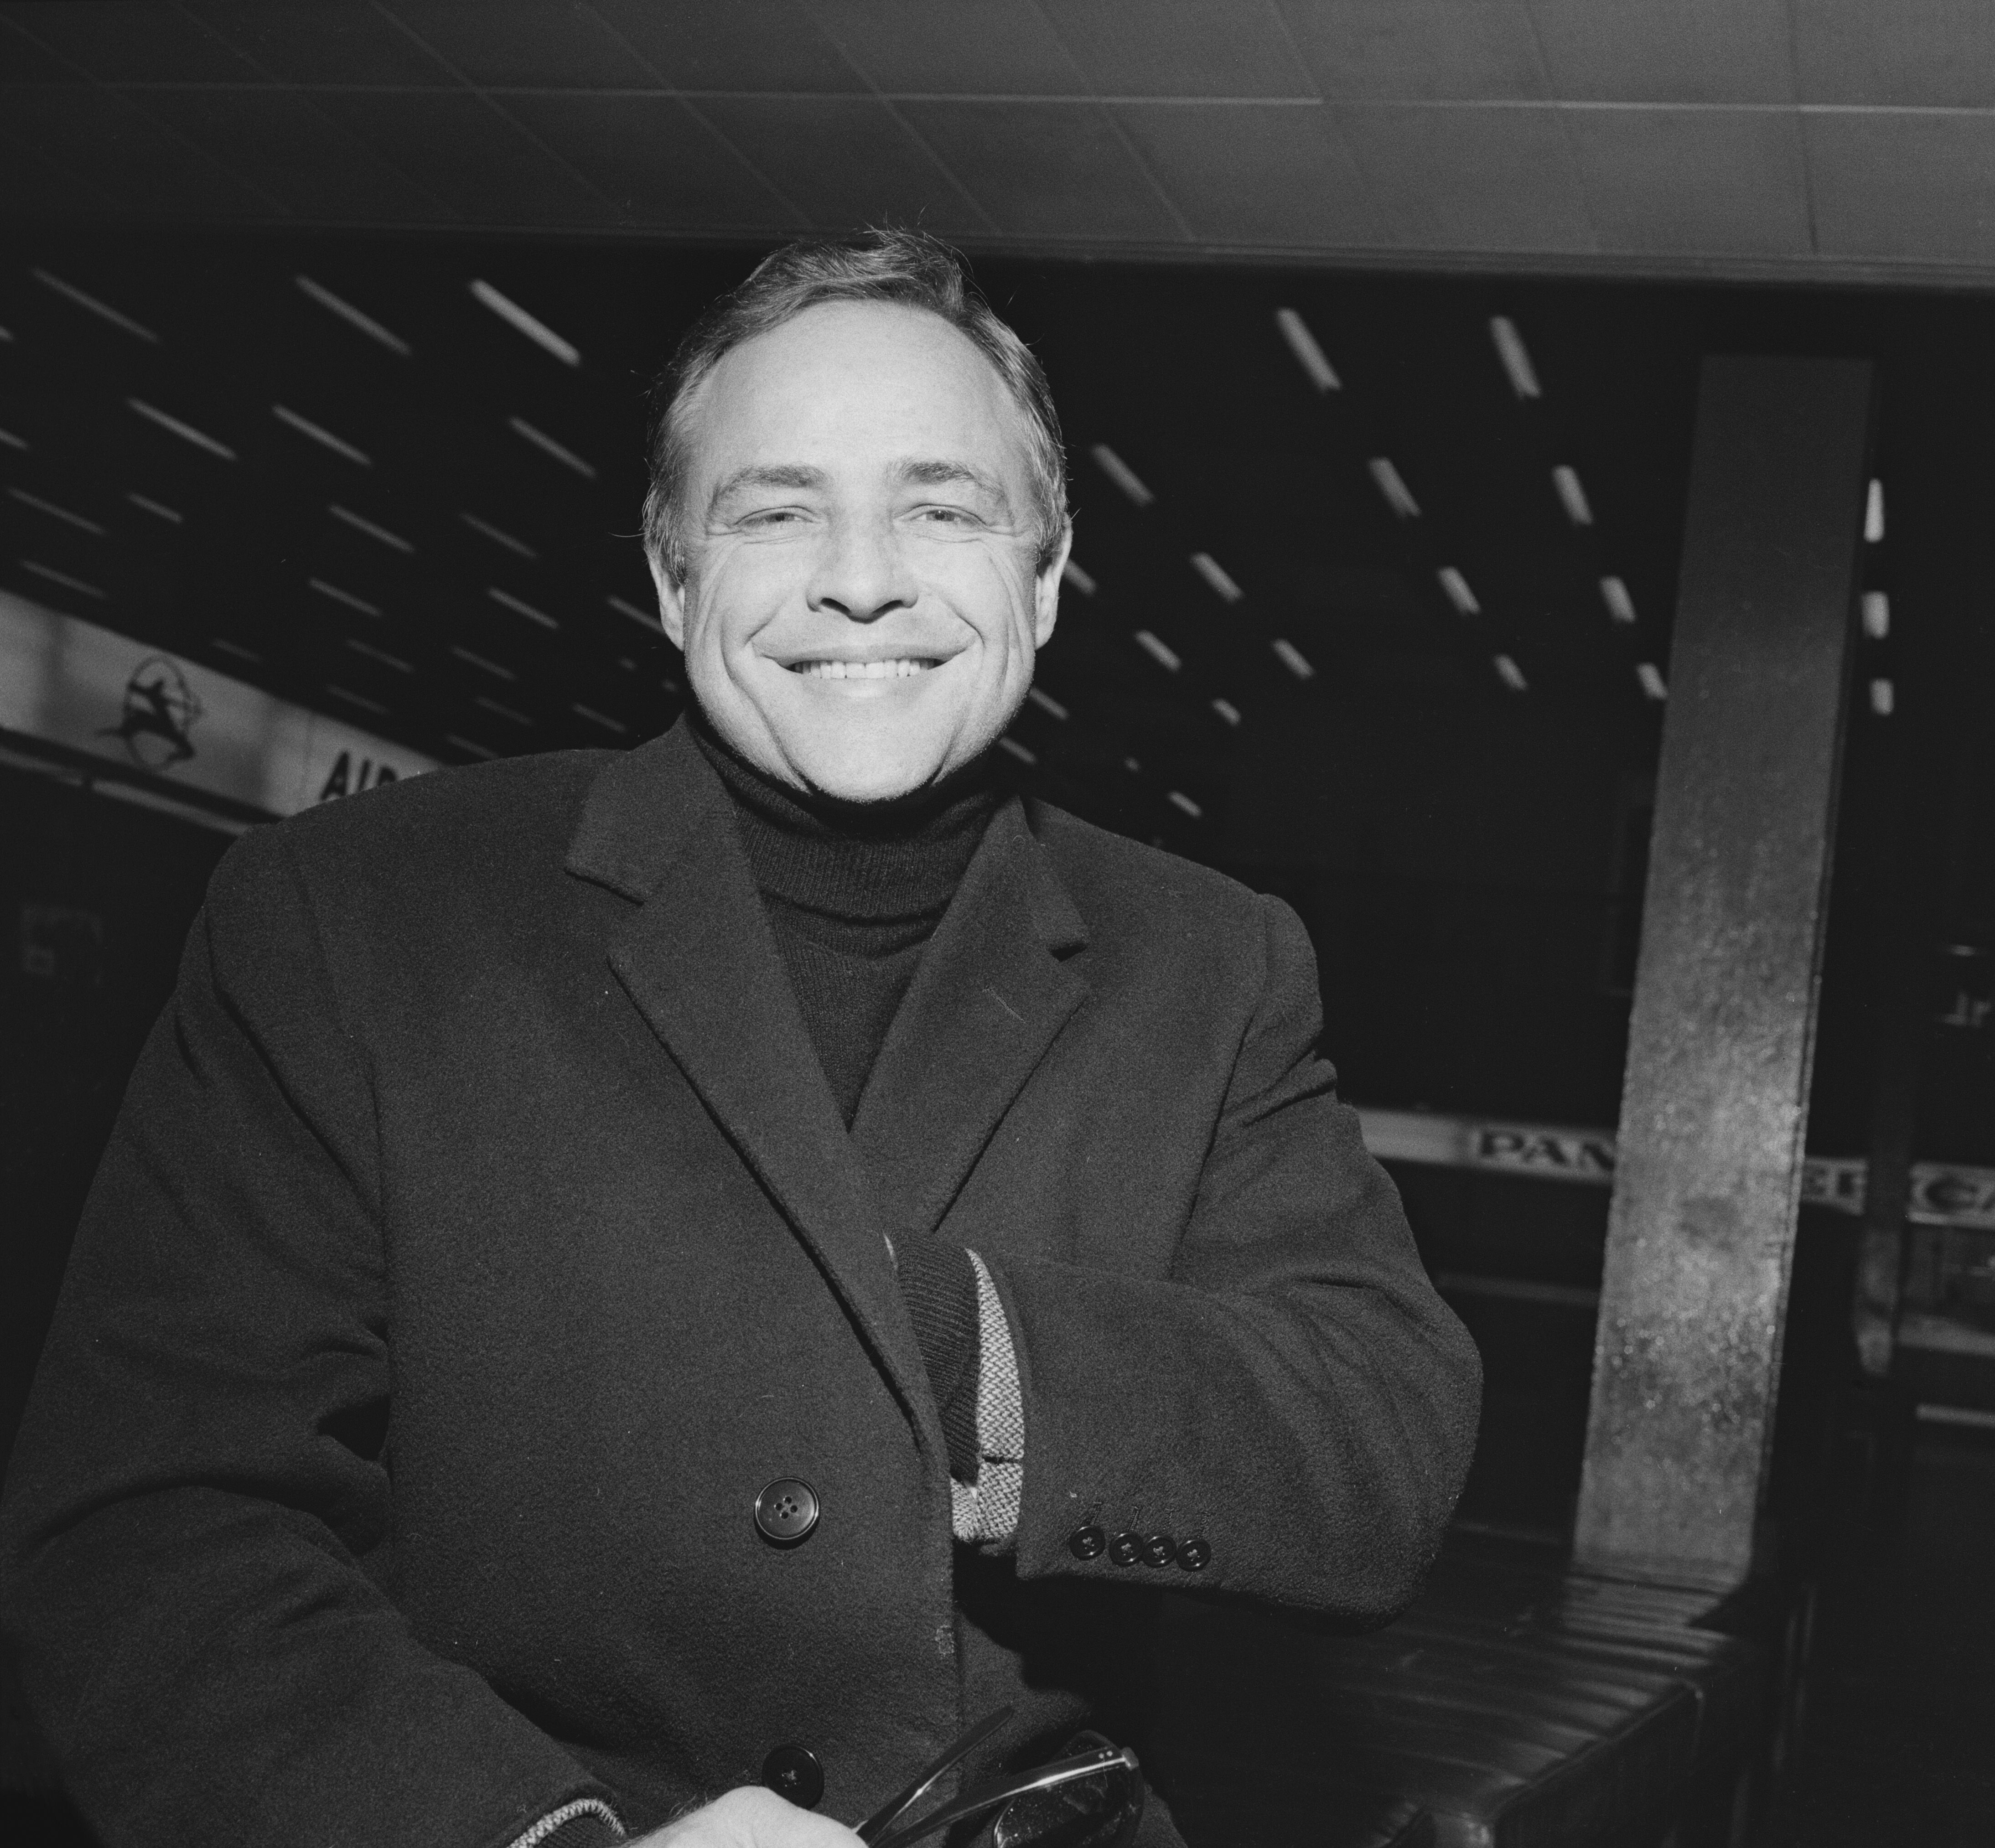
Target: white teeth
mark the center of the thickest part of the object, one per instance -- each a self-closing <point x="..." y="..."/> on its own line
<point x="864" y="670"/>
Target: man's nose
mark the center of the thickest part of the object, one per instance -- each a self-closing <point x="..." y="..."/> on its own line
<point x="860" y="572"/>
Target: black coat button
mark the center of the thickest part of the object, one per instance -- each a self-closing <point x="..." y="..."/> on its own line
<point x="1126" y="1548"/>
<point x="792" y="1771"/>
<point x="1193" y="1555"/>
<point x="786" y="1511"/>
<point x="1159" y="1549"/>
<point x="1086" y="1543"/>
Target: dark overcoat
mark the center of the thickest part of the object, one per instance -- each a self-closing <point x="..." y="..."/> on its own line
<point x="479" y="1236"/>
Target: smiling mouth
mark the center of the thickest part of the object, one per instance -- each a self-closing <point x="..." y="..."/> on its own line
<point x="902" y="667"/>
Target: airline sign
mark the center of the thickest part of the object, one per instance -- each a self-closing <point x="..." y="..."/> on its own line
<point x="1943" y="1194"/>
<point x="71" y="683"/>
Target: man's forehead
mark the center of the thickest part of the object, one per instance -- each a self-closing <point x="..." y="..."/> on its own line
<point x="861" y="367"/>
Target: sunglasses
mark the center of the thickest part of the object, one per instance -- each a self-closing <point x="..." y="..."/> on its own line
<point x="1092" y="1799"/>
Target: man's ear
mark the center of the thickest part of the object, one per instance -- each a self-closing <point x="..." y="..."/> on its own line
<point x="1045" y="590"/>
<point x="672" y="601"/>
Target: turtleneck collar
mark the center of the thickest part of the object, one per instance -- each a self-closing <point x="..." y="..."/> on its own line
<point x="897" y="860"/>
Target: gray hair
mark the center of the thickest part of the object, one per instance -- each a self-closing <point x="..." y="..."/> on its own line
<point x="909" y="268"/>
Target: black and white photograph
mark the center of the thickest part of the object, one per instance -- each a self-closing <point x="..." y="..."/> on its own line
<point x="999" y="923"/>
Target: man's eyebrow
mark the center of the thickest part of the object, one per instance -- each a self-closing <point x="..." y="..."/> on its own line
<point x="919" y="471"/>
<point x="768" y="475"/>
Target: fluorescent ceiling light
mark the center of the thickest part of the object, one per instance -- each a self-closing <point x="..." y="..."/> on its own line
<point x="1651" y="678"/>
<point x="1873" y="514"/>
<point x="1392" y="485"/>
<point x="1456" y="587"/>
<point x="103" y="310"/>
<point x="1161" y="652"/>
<point x="1214" y="574"/>
<point x="1620" y="605"/>
<point x="380" y="654"/>
<point x="359" y="699"/>
<point x="1017" y="750"/>
<point x="524" y="609"/>
<point x="1292" y="659"/>
<point x="347" y="597"/>
<point x="63" y="578"/>
<point x="1309" y="356"/>
<point x="478" y="660"/>
<point x="236" y="648"/>
<point x="1179" y="799"/>
<point x="546" y="444"/>
<point x="504" y="711"/>
<point x="476" y="749"/>
<point x="1877" y="615"/>
<point x="498" y="536"/>
<point x="318" y="433"/>
<point x="647" y="619"/>
<point x="535" y="330"/>
<point x="1046" y="703"/>
<point x="353" y="316"/>
<point x="1883" y="698"/>
<point x="1079" y="579"/>
<point x="361" y="524"/>
<point x="1121" y="474"/>
<point x="158" y="508"/>
<point x="1572" y="496"/>
<point x="1516" y="359"/>
<point x="602" y="719"/>
<point x="1512" y="675"/>
<point x="11" y="441"/>
<point x="54" y="512"/>
<point x="185" y="431"/>
<point x="1133" y="767"/>
<point x="1226" y="710"/>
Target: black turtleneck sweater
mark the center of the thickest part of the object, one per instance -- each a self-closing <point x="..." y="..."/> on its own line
<point x="853" y="891"/>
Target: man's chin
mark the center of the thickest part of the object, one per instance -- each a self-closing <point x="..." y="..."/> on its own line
<point x="877" y="771"/>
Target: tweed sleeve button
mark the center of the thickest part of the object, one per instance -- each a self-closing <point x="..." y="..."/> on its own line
<point x="786" y="1511"/>
<point x="1126" y="1548"/>
<point x="1193" y="1555"/>
<point x="1159" y="1549"/>
<point x="1086" y="1543"/>
<point x="794" y="1772"/>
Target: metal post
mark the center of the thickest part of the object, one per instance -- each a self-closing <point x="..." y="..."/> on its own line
<point x="1715" y="1104"/>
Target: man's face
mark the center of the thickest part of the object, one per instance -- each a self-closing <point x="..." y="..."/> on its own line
<point x="861" y="607"/>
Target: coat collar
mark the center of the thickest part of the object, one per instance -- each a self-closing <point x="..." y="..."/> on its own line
<point x="699" y="961"/>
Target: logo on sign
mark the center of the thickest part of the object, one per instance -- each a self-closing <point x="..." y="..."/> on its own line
<point x="345" y="778"/>
<point x="160" y="709"/>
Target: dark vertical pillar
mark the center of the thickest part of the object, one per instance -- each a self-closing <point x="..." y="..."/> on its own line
<point x="1714" y="1103"/>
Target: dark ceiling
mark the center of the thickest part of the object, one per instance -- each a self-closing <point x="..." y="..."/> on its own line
<point x="423" y="520"/>
<point x="1829" y="140"/>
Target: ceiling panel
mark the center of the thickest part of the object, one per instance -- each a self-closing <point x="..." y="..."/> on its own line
<point x="749" y="46"/>
<point x="1470" y="177"/>
<point x="658" y="163"/>
<point x="560" y="44"/>
<point x="1912" y="53"/>
<point x="1667" y="51"/>
<point x="1182" y="47"/>
<point x="337" y="43"/>
<point x="1695" y="183"/>
<point x="462" y="150"/>
<point x="125" y="43"/>
<point x="301" y="159"/>
<point x="846" y="161"/>
<point x="1047" y="169"/>
<point x="984" y="48"/>
<point x="101" y="137"/>
<point x="1274" y="175"/>
<point x="1898" y="186"/>
<point x="1420" y="50"/>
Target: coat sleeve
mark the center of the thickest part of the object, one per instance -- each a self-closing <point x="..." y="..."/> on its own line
<point x="198" y="1504"/>
<point x="1294" y="1394"/>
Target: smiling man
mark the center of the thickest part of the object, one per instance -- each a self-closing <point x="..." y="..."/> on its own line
<point x="648" y="1292"/>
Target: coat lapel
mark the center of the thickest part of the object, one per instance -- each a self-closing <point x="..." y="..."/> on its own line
<point x="700" y="962"/>
<point x="991" y="992"/>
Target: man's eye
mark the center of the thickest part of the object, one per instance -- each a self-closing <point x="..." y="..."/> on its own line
<point x="945" y="516"/>
<point x="776" y="516"/>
